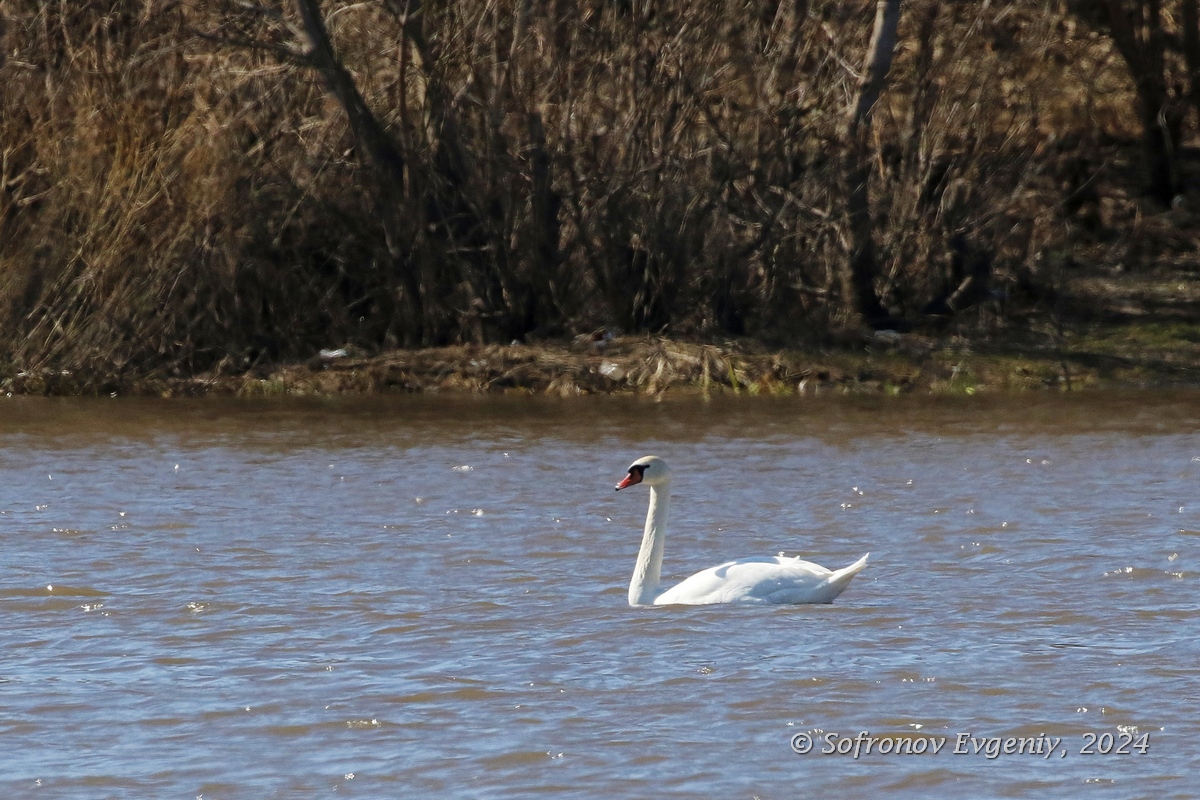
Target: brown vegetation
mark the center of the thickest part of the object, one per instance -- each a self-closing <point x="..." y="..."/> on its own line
<point x="213" y="189"/>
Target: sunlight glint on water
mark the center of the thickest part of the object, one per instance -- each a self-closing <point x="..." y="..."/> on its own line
<point x="413" y="597"/>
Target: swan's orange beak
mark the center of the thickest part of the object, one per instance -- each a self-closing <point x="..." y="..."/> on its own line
<point x="634" y="476"/>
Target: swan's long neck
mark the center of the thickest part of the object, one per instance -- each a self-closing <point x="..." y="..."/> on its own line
<point x="644" y="586"/>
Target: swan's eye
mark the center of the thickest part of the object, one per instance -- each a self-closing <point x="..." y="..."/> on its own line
<point x="640" y="469"/>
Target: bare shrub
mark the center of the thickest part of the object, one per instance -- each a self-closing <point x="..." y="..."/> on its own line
<point x="188" y="186"/>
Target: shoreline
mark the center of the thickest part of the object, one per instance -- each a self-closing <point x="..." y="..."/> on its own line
<point x="885" y="364"/>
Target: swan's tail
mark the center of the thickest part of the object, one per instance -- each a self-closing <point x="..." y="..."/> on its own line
<point x="840" y="579"/>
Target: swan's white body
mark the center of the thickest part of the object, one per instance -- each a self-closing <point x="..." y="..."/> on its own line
<point x="767" y="580"/>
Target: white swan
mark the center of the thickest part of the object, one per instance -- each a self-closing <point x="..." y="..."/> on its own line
<point x="766" y="580"/>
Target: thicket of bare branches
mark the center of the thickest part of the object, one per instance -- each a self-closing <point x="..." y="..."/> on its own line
<point x="186" y="185"/>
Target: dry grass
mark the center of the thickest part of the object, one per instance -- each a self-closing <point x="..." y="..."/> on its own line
<point x="892" y="366"/>
<point x="171" y="206"/>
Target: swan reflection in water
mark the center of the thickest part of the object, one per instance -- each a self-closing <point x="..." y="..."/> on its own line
<point x="764" y="580"/>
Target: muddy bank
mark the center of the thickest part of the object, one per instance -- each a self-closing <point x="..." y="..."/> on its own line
<point x="1153" y="355"/>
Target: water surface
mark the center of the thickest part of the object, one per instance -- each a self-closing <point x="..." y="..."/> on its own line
<point x="426" y="597"/>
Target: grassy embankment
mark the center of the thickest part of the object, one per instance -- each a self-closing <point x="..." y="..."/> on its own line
<point x="180" y="213"/>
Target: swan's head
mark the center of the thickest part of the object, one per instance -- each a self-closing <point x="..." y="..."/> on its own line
<point x="650" y="470"/>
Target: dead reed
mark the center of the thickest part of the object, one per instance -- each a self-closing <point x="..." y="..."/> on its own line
<point x="183" y="188"/>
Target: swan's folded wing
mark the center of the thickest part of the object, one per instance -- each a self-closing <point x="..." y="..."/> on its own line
<point x="767" y="580"/>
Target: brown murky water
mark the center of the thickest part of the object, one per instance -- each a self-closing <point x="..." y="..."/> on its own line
<point x="426" y="597"/>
